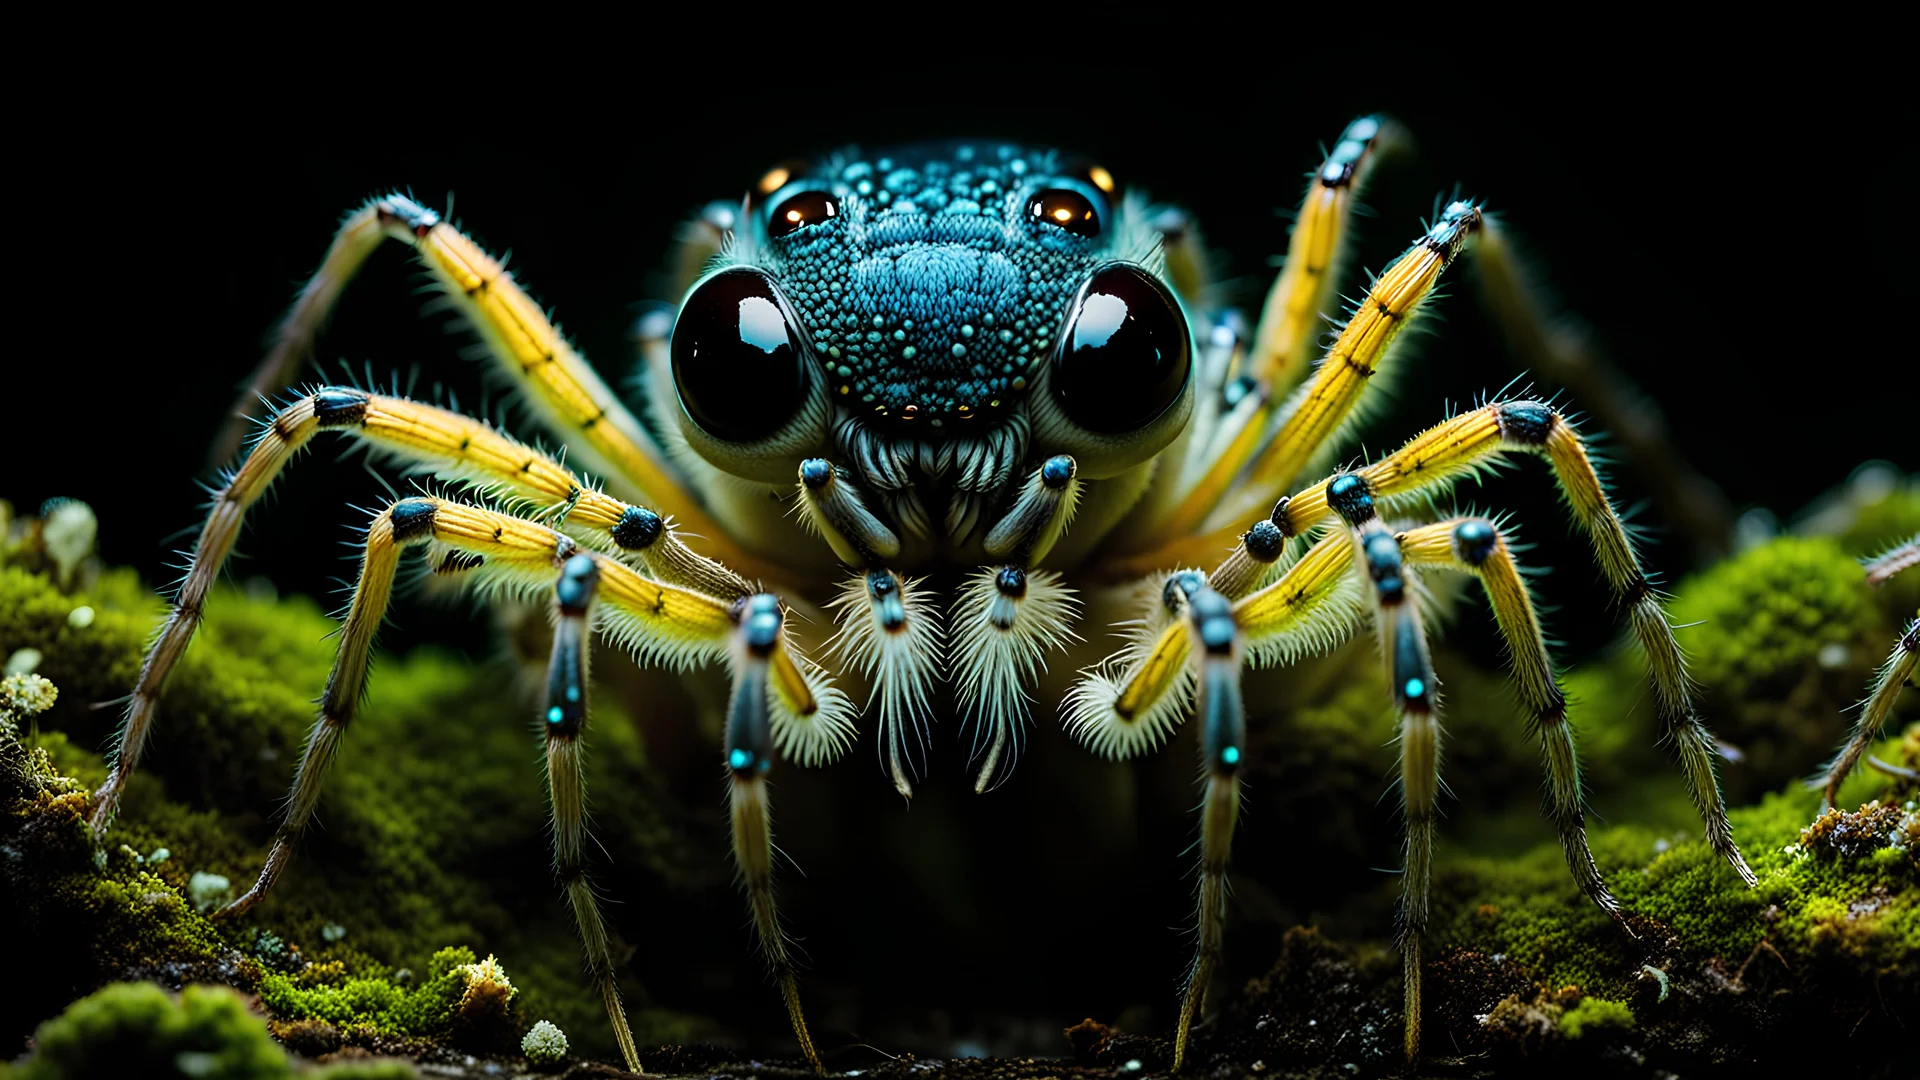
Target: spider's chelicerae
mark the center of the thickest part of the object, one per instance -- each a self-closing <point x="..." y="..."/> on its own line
<point x="986" y="380"/>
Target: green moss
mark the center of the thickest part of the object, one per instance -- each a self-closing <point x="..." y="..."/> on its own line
<point x="1772" y="610"/>
<point x="1847" y="917"/>
<point x="461" y="1000"/>
<point x="1781" y="641"/>
<point x="435" y="816"/>
<point x="204" y="1033"/>
<point x="137" y="1029"/>
<point x="1593" y="1014"/>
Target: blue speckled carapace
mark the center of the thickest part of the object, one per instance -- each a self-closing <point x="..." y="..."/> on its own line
<point x="931" y="285"/>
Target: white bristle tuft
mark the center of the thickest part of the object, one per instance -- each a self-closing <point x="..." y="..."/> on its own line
<point x="901" y="667"/>
<point x="1000" y="647"/>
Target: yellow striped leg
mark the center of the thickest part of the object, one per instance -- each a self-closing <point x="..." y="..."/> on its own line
<point x="1216" y="640"/>
<point x="1475" y="546"/>
<point x="1461" y="447"/>
<point x="1336" y="387"/>
<point x="1313" y="416"/>
<point x="1131" y="702"/>
<point x="657" y="623"/>
<point x="1897" y="672"/>
<point x="565" y="391"/>
<point x="1291" y="320"/>
<point x="562" y="717"/>
<point x="445" y="443"/>
<point x="755" y="643"/>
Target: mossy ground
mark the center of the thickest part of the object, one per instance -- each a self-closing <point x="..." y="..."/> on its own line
<point x="439" y="785"/>
<point x="402" y="866"/>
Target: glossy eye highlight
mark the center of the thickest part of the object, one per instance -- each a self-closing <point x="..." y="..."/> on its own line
<point x="1124" y="356"/>
<point x="1067" y="209"/>
<point x="801" y="209"/>
<point x="737" y="361"/>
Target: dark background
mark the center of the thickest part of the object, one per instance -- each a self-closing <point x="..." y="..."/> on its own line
<point x="1734" y="230"/>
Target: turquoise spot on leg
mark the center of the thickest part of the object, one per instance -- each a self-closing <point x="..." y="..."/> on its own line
<point x="739" y="759"/>
<point x="1416" y="687"/>
<point x="1230" y="755"/>
<point x="555" y="715"/>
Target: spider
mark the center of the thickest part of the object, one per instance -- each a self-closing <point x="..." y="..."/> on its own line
<point x="969" y="370"/>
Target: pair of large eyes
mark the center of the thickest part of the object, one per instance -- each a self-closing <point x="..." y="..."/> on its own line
<point x="740" y="369"/>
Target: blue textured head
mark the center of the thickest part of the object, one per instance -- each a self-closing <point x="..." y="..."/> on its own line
<point x="987" y="296"/>
<point x="932" y="280"/>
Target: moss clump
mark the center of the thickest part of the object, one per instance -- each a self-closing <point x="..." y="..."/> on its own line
<point x="138" y="1029"/>
<point x="1773" y="610"/>
<point x="1832" y="928"/>
<point x="1595" y="1014"/>
<point x="1782" y="641"/>
<point x="434" y="816"/>
<point x="80" y="917"/>
<point x="463" y="1000"/>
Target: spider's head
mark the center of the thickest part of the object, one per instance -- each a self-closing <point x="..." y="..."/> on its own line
<point x="934" y="316"/>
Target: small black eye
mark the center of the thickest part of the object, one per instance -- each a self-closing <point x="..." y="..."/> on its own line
<point x="737" y="362"/>
<point x="1123" y="358"/>
<point x="1067" y="209"/>
<point x="801" y="209"/>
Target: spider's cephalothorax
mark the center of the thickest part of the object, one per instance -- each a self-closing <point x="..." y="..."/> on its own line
<point x="990" y="364"/>
<point x="931" y="318"/>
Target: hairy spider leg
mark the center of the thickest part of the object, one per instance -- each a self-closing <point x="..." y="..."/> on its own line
<point x="1311" y="418"/>
<point x="1478" y="547"/>
<point x="1139" y="696"/>
<point x="1888" y="681"/>
<point x="1403" y="644"/>
<point x="1215" y="638"/>
<point x="563" y="388"/>
<point x="1882" y="568"/>
<point x="659" y="624"/>
<point x="1242" y="380"/>
<point x="1894" y="674"/>
<point x="755" y="644"/>
<point x="1134" y="701"/>
<point x="562" y="717"/>
<point x="1469" y="443"/>
<point x="1291" y="320"/>
<point x="444" y="443"/>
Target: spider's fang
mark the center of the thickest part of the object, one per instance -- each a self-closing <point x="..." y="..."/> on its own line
<point x="831" y="503"/>
<point x="1040" y="514"/>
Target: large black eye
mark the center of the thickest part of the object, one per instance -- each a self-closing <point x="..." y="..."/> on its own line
<point x="801" y="209"/>
<point x="1067" y="209"/>
<point x="1123" y="358"/>
<point x="737" y="362"/>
